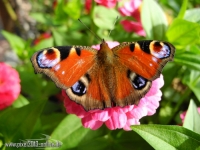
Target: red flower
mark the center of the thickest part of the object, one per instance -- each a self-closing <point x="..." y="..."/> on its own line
<point x="118" y="117"/>
<point x="55" y="3"/>
<point x="106" y="3"/>
<point x="131" y="8"/>
<point x="131" y="26"/>
<point x="9" y="85"/>
<point x="43" y="36"/>
<point x="88" y="4"/>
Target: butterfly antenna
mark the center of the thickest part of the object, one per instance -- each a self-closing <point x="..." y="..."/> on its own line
<point x="113" y="25"/>
<point x="90" y="30"/>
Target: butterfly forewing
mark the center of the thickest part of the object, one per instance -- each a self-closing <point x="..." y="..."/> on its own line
<point x="64" y="64"/>
<point x="145" y="58"/>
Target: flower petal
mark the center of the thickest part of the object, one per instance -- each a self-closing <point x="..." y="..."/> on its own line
<point x="183" y="114"/>
<point x="89" y="122"/>
<point x="107" y="3"/>
<point x="131" y="8"/>
<point x="73" y="108"/>
<point x="101" y="115"/>
<point x="117" y="120"/>
<point x="131" y="26"/>
<point x="131" y="122"/>
<point x="9" y="85"/>
<point x="138" y="112"/>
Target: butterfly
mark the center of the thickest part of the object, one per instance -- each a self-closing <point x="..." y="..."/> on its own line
<point x="98" y="79"/>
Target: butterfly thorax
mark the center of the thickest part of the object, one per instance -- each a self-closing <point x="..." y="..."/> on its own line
<point x="105" y="54"/>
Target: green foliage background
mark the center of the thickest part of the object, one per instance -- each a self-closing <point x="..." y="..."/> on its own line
<point x="34" y="113"/>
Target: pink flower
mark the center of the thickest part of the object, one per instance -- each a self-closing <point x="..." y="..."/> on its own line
<point x="110" y="43"/>
<point x="106" y="3"/>
<point x="182" y="115"/>
<point x="131" y="26"/>
<point x="9" y="85"/>
<point x="88" y="4"/>
<point x="118" y="117"/>
<point x="132" y="8"/>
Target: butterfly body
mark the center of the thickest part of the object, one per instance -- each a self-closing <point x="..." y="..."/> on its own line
<point x="103" y="78"/>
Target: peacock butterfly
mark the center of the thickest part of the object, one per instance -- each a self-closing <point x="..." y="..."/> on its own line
<point x="97" y="79"/>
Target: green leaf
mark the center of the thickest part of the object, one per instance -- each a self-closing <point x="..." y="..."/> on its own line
<point x="19" y="123"/>
<point x="60" y="38"/>
<point x="44" y="44"/>
<point x="169" y="77"/>
<point x="183" y="9"/>
<point x="46" y="119"/>
<point x="182" y="32"/>
<point x="20" y="102"/>
<point x="193" y="15"/>
<point x="17" y="43"/>
<point x="71" y="132"/>
<point x="116" y="140"/>
<point x="94" y="143"/>
<point x="192" y="79"/>
<point x="73" y="8"/>
<point x="106" y="18"/>
<point x="168" y="137"/>
<point x="165" y="113"/>
<point x="153" y="20"/>
<point x="60" y="14"/>
<point x="172" y="105"/>
<point x="189" y="59"/>
<point x="2" y="141"/>
<point x="172" y="5"/>
<point x="74" y="136"/>
<point x="192" y="118"/>
<point x="41" y="18"/>
<point x="76" y="38"/>
<point x="124" y="140"/>
<point x="40" y="88"/>
<point x="194" y="49"/>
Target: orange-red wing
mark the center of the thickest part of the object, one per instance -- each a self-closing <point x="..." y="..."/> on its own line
<point x="130" y="87"/>
<point x="65" y="64"/>
<point x="145" y="58"/>
<point x="98" y="94"/>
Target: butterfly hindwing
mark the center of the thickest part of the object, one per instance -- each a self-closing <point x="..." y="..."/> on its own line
<point x="97" y="94"/>
<point x="130" y="87"/>
<point x="64" y="64"/>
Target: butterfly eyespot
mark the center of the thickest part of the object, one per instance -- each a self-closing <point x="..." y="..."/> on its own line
<point x="79" y="88"/>
<point x="139" y="82"/>
<point x="50" y="51"/>
<point x="160" y="50"/>
<point x="48" y="58"/>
